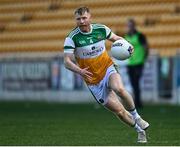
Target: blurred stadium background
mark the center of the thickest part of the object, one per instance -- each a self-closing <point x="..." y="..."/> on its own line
<point x="32" y="34"/>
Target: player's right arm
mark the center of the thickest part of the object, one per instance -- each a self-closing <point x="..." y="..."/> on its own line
<point x="69" y="64"/>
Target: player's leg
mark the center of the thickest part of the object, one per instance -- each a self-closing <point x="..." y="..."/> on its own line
<point x="113" y="104"/>
<point x="116" y="84"/>
<point x="107" y="97"/>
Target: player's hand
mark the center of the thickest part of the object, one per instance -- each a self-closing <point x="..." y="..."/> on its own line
<point x="86" y="74"/>
<point x="131" y="50"/>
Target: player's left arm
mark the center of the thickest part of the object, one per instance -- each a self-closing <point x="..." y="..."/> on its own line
<point x="110" y="35"/>
<point x="113" y="37"/>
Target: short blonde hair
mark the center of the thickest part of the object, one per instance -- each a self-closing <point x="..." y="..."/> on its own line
<point x="81" y="10"/>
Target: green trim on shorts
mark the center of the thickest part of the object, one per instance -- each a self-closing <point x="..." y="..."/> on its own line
<point x="94" y="96"/>
<point x="116" y="67"/>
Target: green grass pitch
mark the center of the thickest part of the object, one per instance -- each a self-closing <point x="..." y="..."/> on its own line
<point x="41" y="123"/>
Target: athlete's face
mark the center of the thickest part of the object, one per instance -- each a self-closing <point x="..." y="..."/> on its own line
<point x="83" y="21"/>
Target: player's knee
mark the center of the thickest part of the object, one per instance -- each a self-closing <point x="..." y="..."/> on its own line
<point x="121" y="113"/>
<point x="120" y="91"/>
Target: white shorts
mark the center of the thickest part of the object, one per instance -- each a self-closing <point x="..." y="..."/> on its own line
<point x="100" y="91"/>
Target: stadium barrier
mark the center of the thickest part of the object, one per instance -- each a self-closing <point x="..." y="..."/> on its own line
<point x="46" y="79"/>
<point x="40" y="79"/>
<point x="176" y="79"/>
<point x="149" y="81"/>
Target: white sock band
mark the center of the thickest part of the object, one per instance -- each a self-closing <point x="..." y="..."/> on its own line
<point x="135" y="114"/>
<point x="138" y="128"/>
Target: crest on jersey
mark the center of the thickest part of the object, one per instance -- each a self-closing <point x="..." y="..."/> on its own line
<point x="82" y="42"/>
<point x="99" y="37"/>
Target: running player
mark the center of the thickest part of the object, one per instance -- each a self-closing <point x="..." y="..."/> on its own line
<point x="85" y="53"/>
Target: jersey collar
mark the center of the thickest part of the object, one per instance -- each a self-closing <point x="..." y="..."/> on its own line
<point x="87" y="32"/>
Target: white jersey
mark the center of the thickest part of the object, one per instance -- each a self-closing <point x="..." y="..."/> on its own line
<point x="89" y="50"/>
